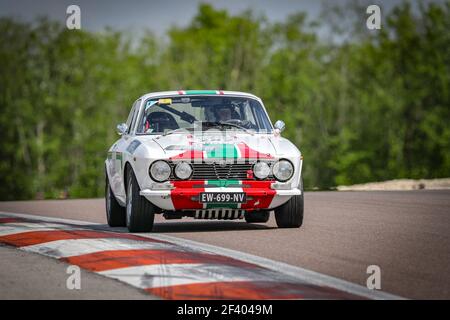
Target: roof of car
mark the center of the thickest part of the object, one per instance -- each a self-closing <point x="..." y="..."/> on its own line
<point x="198" y="92"/>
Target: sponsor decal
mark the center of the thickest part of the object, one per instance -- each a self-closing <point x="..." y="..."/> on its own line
<point x="165" y="101"/>
<point x="133" y="146"/>
<point x="118" y="156"/>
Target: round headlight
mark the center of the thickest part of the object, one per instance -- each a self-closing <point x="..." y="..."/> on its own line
<point x="160" y="171"/>
<point x="183" y="170"/>
<point x="261" y="170"/>
<point x="283" y="170"/>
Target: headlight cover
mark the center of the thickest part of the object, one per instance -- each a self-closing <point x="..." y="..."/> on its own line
<point x="183" y="170"/>
<point x="283" y="170"/>
<point x="160" y="171"/>
<point x="261" y="170"/>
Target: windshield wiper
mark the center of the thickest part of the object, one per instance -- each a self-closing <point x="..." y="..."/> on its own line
<point x="223" y="124"/>
<point x="209" y="124"/>
<point x="176" y="130"/>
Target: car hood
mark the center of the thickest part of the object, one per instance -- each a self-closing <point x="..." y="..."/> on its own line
<point x="223" y="145"/>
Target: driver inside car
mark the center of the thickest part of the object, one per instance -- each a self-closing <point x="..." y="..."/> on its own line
<point x="223" y="114"/>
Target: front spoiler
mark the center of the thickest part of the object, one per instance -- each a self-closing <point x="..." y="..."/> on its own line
<point x="149" y="193"/>
<point x="180" y="199"/>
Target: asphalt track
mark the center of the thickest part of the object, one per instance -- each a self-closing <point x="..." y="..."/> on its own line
<point x="405" y="233"/>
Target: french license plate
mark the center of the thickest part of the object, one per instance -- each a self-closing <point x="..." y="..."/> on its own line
<point x="223" y="197"/>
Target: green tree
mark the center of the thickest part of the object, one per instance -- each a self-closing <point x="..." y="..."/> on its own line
<point x="361" y="105"/>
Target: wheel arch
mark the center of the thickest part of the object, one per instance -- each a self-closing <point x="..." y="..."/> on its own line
<point x="127" y="167"/>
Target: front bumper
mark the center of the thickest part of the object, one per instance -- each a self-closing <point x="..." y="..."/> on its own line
<point x="183" y="195"/>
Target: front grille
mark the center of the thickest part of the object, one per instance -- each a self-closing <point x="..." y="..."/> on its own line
<point x="211" y="171"/>
<point x="216" y="171"/>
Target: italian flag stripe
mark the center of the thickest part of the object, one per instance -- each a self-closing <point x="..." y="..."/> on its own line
<point x="201" y="92"/>
<point x="223" y="183"/>
<point x="222" y="151"/>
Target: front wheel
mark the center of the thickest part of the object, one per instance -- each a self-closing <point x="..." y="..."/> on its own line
<point x="140" y="213"/>
<point x="290" y="214"/>
<point x="115" y="213"/>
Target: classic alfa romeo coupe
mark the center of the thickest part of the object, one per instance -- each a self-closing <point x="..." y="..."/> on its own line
<point x="202" y="154"/>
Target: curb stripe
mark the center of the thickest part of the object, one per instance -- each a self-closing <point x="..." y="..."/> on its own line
<point x="247" y="290"/>
<point x="300" y="274"/>
<point x="164" y="275"/>
<point x="11" y="220"/>
<point x="175" y="268"/>
<point x="109" y="260"/>
<point x="21" y="227"/>
<point x="38" y="237"/>
<point x="67" y="248"/>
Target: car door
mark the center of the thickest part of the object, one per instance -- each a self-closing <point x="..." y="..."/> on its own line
<point x="119" y="149"/>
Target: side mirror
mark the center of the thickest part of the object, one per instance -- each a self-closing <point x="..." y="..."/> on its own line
<point x="121" y="128"/>
<point x="279" y="126"/>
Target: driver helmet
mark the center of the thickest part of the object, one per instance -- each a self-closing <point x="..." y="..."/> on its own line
<point x="224" y="113"/>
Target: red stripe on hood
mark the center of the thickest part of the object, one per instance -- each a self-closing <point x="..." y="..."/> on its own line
<point x="249" y="153"/>
<point x="188" y="155"/>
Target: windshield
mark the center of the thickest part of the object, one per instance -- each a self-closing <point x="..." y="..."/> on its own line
<point x="164" y="115"/>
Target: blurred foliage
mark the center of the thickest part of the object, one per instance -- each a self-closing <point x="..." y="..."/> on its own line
<point x="371" y="106"/>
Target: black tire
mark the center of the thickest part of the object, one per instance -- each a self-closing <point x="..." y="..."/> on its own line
<point x="115" y="213"/>
<point x="290" y="214"/>
<point x="140" y="213"/>
<point x="257" y="216"/>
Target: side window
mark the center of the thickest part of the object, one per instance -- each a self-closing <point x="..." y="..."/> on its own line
<point x="248" y="114"/>
<point x="262" y="120"/>
<point x="132" y="117"/>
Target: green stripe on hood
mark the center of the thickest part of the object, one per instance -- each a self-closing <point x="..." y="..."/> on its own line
<point x="222" y="151"/>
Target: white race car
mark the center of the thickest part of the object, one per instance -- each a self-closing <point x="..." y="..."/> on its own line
<point x="202" y="154"/>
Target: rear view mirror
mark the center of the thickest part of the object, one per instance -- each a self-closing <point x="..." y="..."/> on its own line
<point x="121" y="128"/>
<point x="280" y="126"/>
